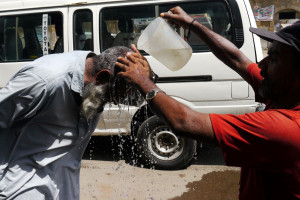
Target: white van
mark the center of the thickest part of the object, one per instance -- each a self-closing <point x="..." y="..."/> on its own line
<point x="32" y="28"/>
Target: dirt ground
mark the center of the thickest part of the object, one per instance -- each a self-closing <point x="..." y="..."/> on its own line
<point x="108" y="176"/>
<point x="104" y="180"/>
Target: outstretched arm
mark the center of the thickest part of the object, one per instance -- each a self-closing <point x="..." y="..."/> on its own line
<point x="222" y="48"/>
<point x="182" y="120"/>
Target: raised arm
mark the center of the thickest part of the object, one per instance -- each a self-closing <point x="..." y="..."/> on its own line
<point x="222" y="48"/>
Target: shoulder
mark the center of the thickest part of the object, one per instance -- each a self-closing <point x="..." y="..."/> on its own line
<point x="264" y="119"/>
<point x="272" y="124"/>
<point x="55" y="66"/>
<point x="258" y="139"/>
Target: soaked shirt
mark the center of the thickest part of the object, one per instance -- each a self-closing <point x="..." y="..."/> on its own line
<point x="42" y="138"/>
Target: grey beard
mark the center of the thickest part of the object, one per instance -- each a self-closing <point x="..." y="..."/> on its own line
<point x="94" y="100"/>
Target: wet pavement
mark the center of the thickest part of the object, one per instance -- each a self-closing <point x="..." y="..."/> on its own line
<point x="214" y="185"/>
<point x="111" y="175"/>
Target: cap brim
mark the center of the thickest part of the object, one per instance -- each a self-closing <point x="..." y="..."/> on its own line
<point x="267" y="35"/>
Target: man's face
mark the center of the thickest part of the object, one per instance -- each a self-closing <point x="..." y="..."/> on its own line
<point x="106" y="86"/>
<point x="95" y="96"/>
<point x="279" y="74"/>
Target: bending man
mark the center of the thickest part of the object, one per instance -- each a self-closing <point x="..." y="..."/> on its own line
<point x="48" y="111"/>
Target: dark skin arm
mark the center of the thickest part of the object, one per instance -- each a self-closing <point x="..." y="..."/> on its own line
<point x="222" y="48"/>
<point x="183" y="120"/>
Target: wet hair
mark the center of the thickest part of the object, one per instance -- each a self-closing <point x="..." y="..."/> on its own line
<point x="108" y="58"/>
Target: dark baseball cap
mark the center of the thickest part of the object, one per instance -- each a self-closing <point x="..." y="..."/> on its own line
<point x="289" y="35"/>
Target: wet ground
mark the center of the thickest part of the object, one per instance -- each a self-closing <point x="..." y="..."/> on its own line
<point x="111" y="175"/>
<point x="214" y="185"/>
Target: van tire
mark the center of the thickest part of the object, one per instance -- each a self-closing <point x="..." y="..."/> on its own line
<point x="160" y="148"/>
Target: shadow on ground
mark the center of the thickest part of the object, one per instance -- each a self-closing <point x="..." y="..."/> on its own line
<point x="115" y="148"/>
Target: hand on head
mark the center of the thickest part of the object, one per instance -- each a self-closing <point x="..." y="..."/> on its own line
<point x="178" y="17"/>
<point x="134" y="67"/>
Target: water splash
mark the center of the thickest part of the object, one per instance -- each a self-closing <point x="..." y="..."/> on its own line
<point x="123" y="147"/>
<point x="92" y="146"/>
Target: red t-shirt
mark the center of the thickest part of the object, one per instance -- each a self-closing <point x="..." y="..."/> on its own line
<point x="266" y="145"/>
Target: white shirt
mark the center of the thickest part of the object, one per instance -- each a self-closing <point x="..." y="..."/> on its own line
<point x="42" y="139"/>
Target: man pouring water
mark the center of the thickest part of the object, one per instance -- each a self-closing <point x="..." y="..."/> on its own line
<point x="266" y="145"/>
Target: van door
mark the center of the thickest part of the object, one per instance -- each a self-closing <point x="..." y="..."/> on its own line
<point x="27" y="35"/>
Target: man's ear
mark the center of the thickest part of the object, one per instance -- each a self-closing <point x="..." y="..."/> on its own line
<point x="103" y="76"/>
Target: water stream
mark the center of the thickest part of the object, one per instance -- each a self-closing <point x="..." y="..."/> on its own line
<point x="122" y="147"/>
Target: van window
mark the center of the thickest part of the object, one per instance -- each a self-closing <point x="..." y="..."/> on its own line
<point x="83" y="30"/>
<point x="21" y="37"/>
<point x="213" y="15"/>
<point x="123" y="25"/>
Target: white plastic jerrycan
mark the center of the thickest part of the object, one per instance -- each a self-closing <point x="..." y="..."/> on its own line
<point x="161" y="41"/>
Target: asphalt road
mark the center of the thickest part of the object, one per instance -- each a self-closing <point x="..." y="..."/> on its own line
<point x="109" y="174"/>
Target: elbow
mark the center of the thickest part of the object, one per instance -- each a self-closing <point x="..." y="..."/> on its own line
<point x="179" y="123"/>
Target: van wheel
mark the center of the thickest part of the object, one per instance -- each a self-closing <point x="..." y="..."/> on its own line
<point x="160" y="148"/>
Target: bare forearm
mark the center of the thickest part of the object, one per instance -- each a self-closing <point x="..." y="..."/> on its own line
<point x="222" y="48"/>
<point x="225" y="50"/>
<point x="182" y="120"/>
<point x="179" y="117"/>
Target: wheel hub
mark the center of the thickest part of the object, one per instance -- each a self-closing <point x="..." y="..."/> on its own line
<point x="164" y="144"/>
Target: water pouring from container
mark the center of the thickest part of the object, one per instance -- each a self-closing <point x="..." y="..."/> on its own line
<point x="161" y="41"/>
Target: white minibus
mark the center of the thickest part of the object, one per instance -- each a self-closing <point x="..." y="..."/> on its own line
<point x="30" y="29"/>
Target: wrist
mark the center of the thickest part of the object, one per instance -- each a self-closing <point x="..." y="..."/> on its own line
<point x="153" y="76"/>
<point x="152" y="94"/>
<point x="189" y="28"/>
<point x="145" y="85"/>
